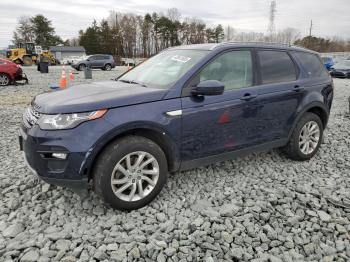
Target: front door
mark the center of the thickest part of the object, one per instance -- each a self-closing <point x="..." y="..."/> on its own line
<point x="98" y="63"/>
<point x="216" y="124"/>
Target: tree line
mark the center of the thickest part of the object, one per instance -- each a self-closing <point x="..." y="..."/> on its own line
<point x="131" y="35"/>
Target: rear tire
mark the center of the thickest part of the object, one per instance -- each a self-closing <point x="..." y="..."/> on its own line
<point x="306" y="138"/>
<point x="4" y="79"/>
<point x="120" y="177"/>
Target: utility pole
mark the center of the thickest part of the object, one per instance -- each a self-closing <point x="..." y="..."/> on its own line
<point x="271" y="29"/>
<point x="310" y="28"/>
<point x="310" y="34"/>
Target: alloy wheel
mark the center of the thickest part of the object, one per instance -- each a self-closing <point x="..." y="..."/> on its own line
<point x="309" y="137"/>
<point x="135" y="176"/>
<point x="4" y="80"/>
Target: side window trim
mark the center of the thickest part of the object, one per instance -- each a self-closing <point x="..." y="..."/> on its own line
<point x="258" y="65"/>
<point x="296" y="66"/>
<point x="186" y="89"/>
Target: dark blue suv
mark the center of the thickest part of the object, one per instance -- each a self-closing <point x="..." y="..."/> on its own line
<point x="185" y="107"/>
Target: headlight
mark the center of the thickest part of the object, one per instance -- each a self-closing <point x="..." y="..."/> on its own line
<point x="67" y="121"/>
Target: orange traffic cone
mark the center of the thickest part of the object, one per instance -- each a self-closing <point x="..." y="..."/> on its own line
<point x="63" y="80"/>
<point x="71" y="76"/>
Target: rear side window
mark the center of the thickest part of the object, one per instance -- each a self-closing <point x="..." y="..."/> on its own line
<point x="276" y="67"/>
<point x="311" y="64"/>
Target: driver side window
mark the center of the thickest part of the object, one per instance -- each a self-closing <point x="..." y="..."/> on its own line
<point x="233" y="68"/>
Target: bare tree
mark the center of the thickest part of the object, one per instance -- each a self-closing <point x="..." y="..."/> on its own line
<point x="229" y="33"/>
<point x="288" y="35"/>
<point x="24" y="31"/>
<point x="174" y="14"/>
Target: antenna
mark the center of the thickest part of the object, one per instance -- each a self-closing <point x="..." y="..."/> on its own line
<point x="271" y="29"/>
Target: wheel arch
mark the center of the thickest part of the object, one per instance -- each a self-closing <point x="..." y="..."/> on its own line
<point x="80" y="64"/>
<point x="316" y="108"/>
<point x="154" y="133"/>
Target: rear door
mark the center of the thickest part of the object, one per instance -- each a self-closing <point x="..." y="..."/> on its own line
<point x="280" y="92"/>
<point x="215" y="124"/>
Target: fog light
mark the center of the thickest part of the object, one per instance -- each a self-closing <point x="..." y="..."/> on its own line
<point x="59" y="155"/>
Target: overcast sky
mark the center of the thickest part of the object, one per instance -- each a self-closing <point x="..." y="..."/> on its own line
<point x="329" y="17"/>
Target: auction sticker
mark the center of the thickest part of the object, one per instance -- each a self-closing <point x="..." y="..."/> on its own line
<point x="182" y="59"/>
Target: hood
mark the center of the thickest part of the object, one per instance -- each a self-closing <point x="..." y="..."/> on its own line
<point x="341" y="67"/>
<point x="95" y="96"/>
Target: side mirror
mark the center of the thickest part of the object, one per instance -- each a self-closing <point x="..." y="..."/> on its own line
<point x="87" y="59"/>
<point x="208" y="88"/>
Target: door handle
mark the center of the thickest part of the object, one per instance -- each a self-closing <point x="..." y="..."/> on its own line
<point x="298" y="88"/>
<point x="248" y="96"/>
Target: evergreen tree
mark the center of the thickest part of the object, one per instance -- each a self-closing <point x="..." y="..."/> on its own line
<point x="35" y="29"/>
<point x="44" y="33"/>
<point x="90" y="39"/>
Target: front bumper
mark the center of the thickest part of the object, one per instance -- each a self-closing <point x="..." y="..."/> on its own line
<point x="38" y="157"/>
<point x="75" y="66"/>
<point x="340" y="74"/>
<point x="75" y="185"/>
<point x="20" y="75"/>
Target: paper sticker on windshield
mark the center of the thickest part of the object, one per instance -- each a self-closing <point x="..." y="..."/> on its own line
<point x="182" y="59"/>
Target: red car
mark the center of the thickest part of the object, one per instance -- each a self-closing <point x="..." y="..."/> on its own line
<point x="10" y="72"/>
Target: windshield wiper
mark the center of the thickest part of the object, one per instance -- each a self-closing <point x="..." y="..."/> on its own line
<point x="131" y="82"/>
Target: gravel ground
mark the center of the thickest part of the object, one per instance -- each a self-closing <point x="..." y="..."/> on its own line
<point x="262" y="207"/>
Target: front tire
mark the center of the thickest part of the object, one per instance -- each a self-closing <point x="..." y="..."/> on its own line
<point x="306" y="138"/>
<point x="108" y="67"/>
<point x="4" y="79"/>
<point x="130" y="172"/>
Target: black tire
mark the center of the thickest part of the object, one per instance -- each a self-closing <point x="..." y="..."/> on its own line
<point x="292" y="149"/>
<point x="81" y="67"/>
<point x="27" y="61"/>
<point x="110" y="157"/>
<point x="4" y="79"/>
<point x="107" y="67"/>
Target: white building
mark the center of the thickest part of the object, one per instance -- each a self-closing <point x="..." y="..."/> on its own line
<point x="67" y="52"/>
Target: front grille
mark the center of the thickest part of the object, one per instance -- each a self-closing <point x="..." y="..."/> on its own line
<point x="30" y="117"/>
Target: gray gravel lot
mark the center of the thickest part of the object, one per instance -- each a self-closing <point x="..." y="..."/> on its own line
<point x="262" y="207"/>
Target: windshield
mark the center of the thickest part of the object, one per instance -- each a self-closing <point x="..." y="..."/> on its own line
<point x="164" y="69"/>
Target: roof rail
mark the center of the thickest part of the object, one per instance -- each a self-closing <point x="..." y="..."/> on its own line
<point x="259" y="42"/>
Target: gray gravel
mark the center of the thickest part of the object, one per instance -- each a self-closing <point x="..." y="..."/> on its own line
<point x="262" y="207"/>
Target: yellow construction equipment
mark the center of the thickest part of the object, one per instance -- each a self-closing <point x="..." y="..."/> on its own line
<point x="28" y="54"/>
<point x="48" y="56"/>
